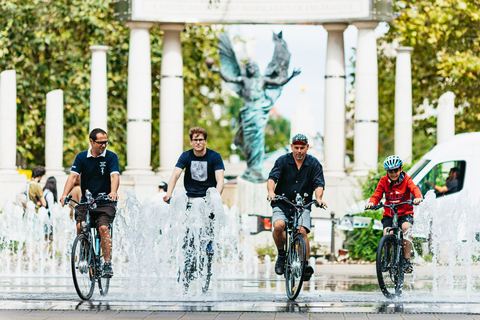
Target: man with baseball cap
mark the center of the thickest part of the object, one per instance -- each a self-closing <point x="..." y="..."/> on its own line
<point x="295" y="172"/>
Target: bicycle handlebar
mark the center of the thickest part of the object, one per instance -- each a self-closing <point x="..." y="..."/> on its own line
<point x="314" y="202"/>
<point x="101" y="197"/>
<point x="391" y="206"/>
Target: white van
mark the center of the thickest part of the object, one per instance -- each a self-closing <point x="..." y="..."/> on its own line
<point x="461" y="152"/>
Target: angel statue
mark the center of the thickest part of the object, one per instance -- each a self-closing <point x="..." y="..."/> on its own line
<point x="259" y="93"/>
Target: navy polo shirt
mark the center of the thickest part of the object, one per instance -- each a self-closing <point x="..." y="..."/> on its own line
<point x="96" y="172"/>
<point x="199" y="171"/>
<point x="290" y="180"/>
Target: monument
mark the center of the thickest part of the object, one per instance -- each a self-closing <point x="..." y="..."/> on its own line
<point x="259" y="93"/>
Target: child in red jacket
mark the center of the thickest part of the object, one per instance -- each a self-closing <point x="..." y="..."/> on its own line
<point x="397" y="187"/>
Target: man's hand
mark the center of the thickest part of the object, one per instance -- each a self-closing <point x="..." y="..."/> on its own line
<point x="321" y="203"/>
<point x="369" y="205"/>
<point x="113" y="196"/>
<point x="417" y="200"/>
<point x="271" y="196"/>
<point x="62" y="199"/>
<point x="167" y="198"/>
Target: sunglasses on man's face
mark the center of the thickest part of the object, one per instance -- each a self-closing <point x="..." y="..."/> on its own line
<point x="101" y="142"/>
<point x="394" y="170"/>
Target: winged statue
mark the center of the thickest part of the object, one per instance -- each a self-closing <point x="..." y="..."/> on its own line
<point x="259" y="93"/>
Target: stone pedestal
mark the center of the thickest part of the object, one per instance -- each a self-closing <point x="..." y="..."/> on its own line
<point x="366" y="100"/>
<point x="446" y="117"/>
<point x="139" y="101"/>
<point x="54" y="134"/>
<point x="171" y="98"/>
<point x="98" y="88"/>
<point x="252" y="198"/>
<point x="403" y="105"/>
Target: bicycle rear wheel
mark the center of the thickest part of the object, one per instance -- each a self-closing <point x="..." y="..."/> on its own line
<point x="390" y="266"/>
<point x="295" y="268"/>
<point x="83" y="267"/>
<point x="103" y="283"/>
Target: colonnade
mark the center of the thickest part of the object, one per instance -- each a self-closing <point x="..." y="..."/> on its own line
<point x="139" y="104"/>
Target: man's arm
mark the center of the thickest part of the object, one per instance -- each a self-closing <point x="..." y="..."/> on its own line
<point x="220" y="177"/>
<point x="271" y="189"/>
<point x="68" y="186"/>
<point x="114" y="183"/>
<point x="319" y="196"/>
<point x="441" y="189"/>
<point x="172" y="182"/>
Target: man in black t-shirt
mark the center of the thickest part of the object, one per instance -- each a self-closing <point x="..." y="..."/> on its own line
<point x="100" y="174"/>
<point x="203" y="168"/>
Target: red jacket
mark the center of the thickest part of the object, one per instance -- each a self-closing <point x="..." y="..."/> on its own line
<point x="399" y="192"/>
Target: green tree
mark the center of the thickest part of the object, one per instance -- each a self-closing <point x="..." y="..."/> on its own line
<point x="445" y="57"/>
<point x="48" y="46"/>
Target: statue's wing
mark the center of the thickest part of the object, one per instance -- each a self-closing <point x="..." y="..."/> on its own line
<point x="278" y="67"/>
<point x="230" y="66"/>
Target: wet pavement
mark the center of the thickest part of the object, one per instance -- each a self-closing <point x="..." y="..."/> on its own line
<point x="339" y="292"/>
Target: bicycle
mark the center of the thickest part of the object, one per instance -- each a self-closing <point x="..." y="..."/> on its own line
<point x="390" y="255"/>
<point x="197" y="263"/>
<point x="296" y="258"/>
<point x="87" y="258"/>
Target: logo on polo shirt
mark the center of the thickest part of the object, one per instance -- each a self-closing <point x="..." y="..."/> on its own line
<point x="103" y="164"/>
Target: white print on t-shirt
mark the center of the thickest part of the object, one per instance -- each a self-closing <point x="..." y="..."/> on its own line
<point x="199" y="170"/>
<point x="103" y="164"/>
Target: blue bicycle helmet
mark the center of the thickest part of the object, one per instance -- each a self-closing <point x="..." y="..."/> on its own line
<point x="392" y="162"/>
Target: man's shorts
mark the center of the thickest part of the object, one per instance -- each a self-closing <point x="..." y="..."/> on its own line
<point x="388" y="221"/>
<point x="103" y="215"/>
<point x="304" y="220"/>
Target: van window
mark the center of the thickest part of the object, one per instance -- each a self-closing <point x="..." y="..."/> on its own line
<point x="445" y="178"/>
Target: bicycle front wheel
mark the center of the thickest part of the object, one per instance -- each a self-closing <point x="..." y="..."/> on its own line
<point x="295" y="269"/>
<point x="390" y="266"/>
<point x="83" y="267"/>
<point x="103" y="283"/>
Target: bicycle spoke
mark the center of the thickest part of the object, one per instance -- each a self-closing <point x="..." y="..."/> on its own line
<point x="83" y="269"/>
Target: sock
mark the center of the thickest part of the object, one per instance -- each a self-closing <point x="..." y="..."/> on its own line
<point x="282" y="252"/>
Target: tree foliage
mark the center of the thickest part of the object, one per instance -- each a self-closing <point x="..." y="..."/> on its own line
<point x="445" y="57"/>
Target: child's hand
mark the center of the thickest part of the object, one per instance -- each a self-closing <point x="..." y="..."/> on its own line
<point x="417" y="200"/>
<point x="369" y="205"/>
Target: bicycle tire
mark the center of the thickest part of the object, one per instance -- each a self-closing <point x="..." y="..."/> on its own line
<point x="208" y="273"/>
<point x="389" y="265"/>
<point x="295" y="267"/>
<point x="83" y="267"/>
<point x="103" y="283"/>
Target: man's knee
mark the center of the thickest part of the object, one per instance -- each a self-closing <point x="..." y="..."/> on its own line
<point x="303" y="231"/>
<point x="103" y="229"/>
<point x="279" y="226"/>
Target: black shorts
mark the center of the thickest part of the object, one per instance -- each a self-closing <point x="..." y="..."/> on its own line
<point x="103" y="215"/>
<point x="388" y="221"/>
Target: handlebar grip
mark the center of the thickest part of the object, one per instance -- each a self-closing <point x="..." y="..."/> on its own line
<point x="68" y="198"/>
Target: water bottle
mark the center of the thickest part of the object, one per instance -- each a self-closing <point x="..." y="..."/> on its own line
<point x="97" y="244"/>
<point x="90" y="200"/>
<point x="298" y="199"/>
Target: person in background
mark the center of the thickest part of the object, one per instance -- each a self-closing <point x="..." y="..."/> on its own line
<point x="76" y="193"/>
<point x="33" y="190"/>
<point x="50" y="193"/>
<point x="162" y="191"/>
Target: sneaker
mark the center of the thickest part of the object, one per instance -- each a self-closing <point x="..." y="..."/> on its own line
<point x="209" y="249"/>
<point x="107" y="270"/>
<point x="280" y="265"/>
<point x="308" y="273"/>
<point x="407" y="266"/>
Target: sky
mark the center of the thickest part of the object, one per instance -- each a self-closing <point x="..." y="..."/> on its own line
<point x="308" y="48"/>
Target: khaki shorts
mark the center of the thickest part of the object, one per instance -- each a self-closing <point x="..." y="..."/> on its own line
<point x="103" y="215"/>
<point x="304" y="221"/>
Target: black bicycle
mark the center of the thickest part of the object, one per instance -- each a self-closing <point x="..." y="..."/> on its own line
<point x="198" y="263"/>
<point x="87" y="258"/>
<point x="390" y="255"/>
<point x="296" y="250"/>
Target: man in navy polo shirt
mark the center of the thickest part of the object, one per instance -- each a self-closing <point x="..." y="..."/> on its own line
<point x="295" y="172"/>
<point x="100" y="174"/>
<point x="203" y="168"/>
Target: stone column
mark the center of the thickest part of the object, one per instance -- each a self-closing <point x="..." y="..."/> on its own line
<point x="54" y="134"/>
<point x="98" y="88"/>
<point x="366" y="100"/>
<point x="8" y="122"/>
<point x="139" y="100"/>
<point x="403" y="105"/>
<point x="171" y="98"/>
<point x="334" y="141"/>
<point x="446" y="117"/>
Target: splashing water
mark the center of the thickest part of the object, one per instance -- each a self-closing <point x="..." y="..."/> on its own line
<point x="451" y="225"/>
